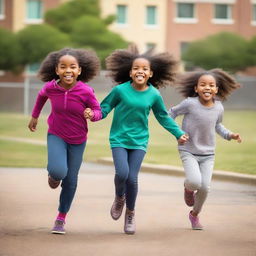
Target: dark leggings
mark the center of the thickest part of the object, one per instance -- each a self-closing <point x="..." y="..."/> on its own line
<point x="127" y="165"/>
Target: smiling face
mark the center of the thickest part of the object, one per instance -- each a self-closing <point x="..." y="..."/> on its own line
<point x="140" y="72"/>
<point x="206" y="89"/>
<point x="68" y="70"/>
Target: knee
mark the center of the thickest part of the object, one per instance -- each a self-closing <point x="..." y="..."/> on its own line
<point x="132" y="181"/>
<point x="205" y="188"/>
<point x="192" y="185"/>
<point x="57" y="172"/>
<point x="121" y="177"/>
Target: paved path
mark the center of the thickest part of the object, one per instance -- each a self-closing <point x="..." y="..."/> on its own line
<point x="28" y="207"/>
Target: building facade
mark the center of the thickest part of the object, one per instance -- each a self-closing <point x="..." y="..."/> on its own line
<point x="190" y="20"/>
<point x="16" y="14"/>
<point x="168" y="25"/>
<point x="143" y="22"/>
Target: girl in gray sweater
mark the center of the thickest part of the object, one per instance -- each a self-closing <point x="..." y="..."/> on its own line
<point x="203" y="114"/>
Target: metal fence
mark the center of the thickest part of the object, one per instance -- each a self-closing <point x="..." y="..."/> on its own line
<point x="20" y="97"/>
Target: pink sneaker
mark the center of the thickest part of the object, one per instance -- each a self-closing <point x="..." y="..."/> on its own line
<point x="195" y="222"/>
<point x="129" y="222"/>
<point x="117" y="207"/>
<point x="189" y="197"/>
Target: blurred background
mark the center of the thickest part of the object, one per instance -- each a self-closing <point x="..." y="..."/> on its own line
<point x="199" y="33"/>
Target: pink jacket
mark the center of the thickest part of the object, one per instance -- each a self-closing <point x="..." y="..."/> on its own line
<point x="66" y="119"/>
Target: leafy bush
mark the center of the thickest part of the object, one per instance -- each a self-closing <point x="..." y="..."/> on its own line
<point x="224" y="50"/>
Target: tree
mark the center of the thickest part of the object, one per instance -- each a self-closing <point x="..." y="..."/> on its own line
<point x="37" y="41"/>
<point x="96" y="35"/>
<point x="64" y="16"/>
<point x="251" y="52"/>
<point x="224" y="50"/>
<point x="9" y="51"/>
<point x="81" y="20"/>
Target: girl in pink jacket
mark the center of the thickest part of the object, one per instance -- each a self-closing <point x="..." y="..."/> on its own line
<point x="65" y="73"/>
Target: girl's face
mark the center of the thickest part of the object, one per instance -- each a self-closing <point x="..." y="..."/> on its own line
<point x="140" y="72"/>
<point x="68" y="70"/>
<point x="206" y="89"/>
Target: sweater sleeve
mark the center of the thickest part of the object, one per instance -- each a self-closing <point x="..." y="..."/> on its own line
<point x="166" y="121"/>
<point x="40" y="101"/>
<point x="95" y="106"/>
<point x="180" y="109"/>
<point x="221" y="129"/>
<point x="110" y="101"/>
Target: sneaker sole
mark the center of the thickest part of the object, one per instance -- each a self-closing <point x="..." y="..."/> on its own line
<point x="129" y="232"/>
<point x="58" y="232"/>
<point x="197" y="228"/>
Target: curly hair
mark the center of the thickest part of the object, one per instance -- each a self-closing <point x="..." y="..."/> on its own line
<point x="87" y="60"/>
<point x="226" y="84"/>
<point x="163" y="65"/>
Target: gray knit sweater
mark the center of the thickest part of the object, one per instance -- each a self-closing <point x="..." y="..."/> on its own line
<point x="200" y="123"/>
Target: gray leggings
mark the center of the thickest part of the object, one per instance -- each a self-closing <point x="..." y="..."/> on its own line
<point x="198" y="172"/>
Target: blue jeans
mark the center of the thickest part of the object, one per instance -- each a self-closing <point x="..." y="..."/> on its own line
<point x="64" y="161"/>
<point x="127" y="165"/>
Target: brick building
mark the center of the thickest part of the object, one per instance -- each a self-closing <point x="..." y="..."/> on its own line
<point x="169" y="25"/>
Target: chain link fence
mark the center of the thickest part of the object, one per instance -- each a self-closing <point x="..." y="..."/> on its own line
<point x="20" y="97"/>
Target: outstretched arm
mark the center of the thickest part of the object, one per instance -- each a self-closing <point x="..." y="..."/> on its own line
<point x="40" y="101"/>
<point x="236" y="136"/>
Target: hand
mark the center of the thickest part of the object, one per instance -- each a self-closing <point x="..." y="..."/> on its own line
<point x="236" y="136"/>
<point x="32" y="124"/>
<point x="183" y="139"/>
<point x="88" y="113"/>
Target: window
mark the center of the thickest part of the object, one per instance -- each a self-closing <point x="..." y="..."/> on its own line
<point x="183" y="47"/>
<point x="222" y="14"/>
<point x="1" y="9"/>
<point x="185" y="13"/>
<point x="121" y="14"/>
<point x="222" y="11"/>
<point x="34" y="10"/>
<point x="150" y="46"/>
<point x="254" y="14"/>
<point x="151" y="15"/>
<point x="185" y="10"/>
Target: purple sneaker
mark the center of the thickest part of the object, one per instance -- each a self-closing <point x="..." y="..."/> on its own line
<point x="59" y="227"/>
<point x="117" y="207"/>
<point x="195" y="222"/>
<point x="189" y="197"/>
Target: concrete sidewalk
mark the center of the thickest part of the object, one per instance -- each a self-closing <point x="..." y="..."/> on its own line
<point x="28" y="208"/>
<point x="179" y="171"/>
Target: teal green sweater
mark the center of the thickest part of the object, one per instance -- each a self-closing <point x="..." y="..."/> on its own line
<point x="129" y="127"/>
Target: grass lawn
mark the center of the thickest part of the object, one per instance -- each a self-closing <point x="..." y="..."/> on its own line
<point x="230" y="155"/>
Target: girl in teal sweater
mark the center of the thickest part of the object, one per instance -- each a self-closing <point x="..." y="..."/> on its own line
<point x="138" y="77"/>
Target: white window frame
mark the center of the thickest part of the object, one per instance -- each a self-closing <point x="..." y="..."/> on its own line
<point x="227" y="21"/>
<point x="127" y="15"/>
<point x="253" y="21"/>
<point x="154" y="45"/>
<point x="2" y="15"/>
<point x="156" y="16"/>
<point x="185" y="20"/>
<point x="34" y="21"/>
<point x="207" y="1"/>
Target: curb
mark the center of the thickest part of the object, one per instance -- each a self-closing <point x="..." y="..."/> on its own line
<point x="179" y="171"/>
